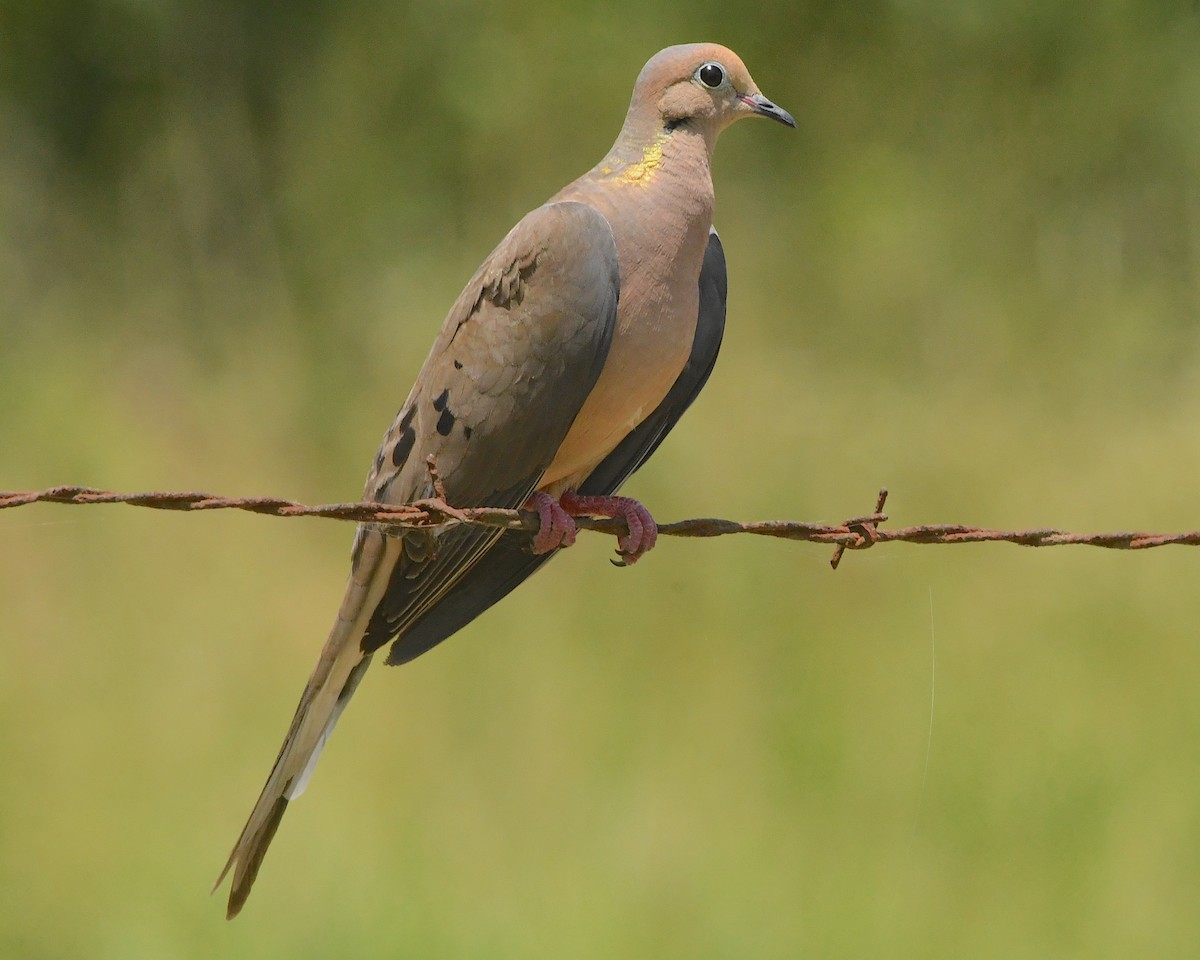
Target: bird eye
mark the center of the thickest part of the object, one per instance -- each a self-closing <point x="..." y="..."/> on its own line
<point x="711" y="74"/>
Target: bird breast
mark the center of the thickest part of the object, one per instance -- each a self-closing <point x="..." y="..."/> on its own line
<point x="661" y="226"/>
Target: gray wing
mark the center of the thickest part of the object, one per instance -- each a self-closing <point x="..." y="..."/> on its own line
<point x="508" y="561"/>
<point x="498" y="402"/>
<point x="513" y="364"/>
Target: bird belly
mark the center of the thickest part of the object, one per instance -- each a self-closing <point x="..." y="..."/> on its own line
<point x="650" y="345"/>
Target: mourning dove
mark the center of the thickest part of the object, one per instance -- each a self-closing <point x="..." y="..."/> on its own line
<point x="564" y="362"/>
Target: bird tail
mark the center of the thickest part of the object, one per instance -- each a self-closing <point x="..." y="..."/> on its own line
<point x="337" y="674"/>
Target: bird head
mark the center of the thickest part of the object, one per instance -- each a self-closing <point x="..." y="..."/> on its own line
<point x="703" y="85"/>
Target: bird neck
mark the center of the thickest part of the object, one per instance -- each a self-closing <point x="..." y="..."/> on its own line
<point x="647" y="152"/>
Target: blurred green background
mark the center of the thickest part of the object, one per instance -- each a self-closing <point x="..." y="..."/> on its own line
<point x="227" y="235"/>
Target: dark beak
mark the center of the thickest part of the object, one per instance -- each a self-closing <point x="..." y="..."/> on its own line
<point x="765" y="108"/>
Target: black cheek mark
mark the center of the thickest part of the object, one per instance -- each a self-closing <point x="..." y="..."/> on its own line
<point x="445" y="423"/>
<point x="467" y="431"/>
<point x="404" y="446"/>
<point x="457" y="365"/>
<point x="442" y="400"/>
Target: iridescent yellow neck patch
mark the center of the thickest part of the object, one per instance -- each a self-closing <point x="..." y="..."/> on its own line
<point x="642" y="172"/>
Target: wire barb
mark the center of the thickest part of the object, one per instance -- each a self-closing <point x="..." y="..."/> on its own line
<point x="857" y="533"/>
<point x="866" y="527"/>
<point x="435" y="478"/>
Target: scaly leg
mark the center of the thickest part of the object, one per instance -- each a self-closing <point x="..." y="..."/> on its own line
<point x="558" y="529"/>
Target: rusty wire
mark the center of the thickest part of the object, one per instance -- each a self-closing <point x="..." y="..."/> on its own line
<point x="856" y="533"/>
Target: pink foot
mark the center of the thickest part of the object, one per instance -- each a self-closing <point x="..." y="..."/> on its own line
<point x="556" y="529"/>
<point x="643" y="531"/>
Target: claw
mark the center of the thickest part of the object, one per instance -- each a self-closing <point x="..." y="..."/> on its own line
<point x="556" y="528"/>
<point x="643" y="531"/>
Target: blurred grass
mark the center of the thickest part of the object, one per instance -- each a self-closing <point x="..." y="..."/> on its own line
<point x="226" y="238"/>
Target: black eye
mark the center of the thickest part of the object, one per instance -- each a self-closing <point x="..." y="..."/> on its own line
<point x="711" y="75"/>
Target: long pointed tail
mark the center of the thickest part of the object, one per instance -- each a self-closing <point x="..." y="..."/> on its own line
<point x="329" y="689"/>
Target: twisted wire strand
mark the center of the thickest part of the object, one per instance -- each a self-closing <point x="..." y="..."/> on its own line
<point x="856" y="533"/>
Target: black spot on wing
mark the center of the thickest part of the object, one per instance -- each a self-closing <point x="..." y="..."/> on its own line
<point x="404" y="446"/>
<point x="447" y="419"/>
<point x="404" y="443"/>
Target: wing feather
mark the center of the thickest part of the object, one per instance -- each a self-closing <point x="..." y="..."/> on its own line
<point x="508" y="562"/>
<point x="516" y="357"/>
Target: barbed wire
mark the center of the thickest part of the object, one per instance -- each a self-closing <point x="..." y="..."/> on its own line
<point x="855" y="533"/>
